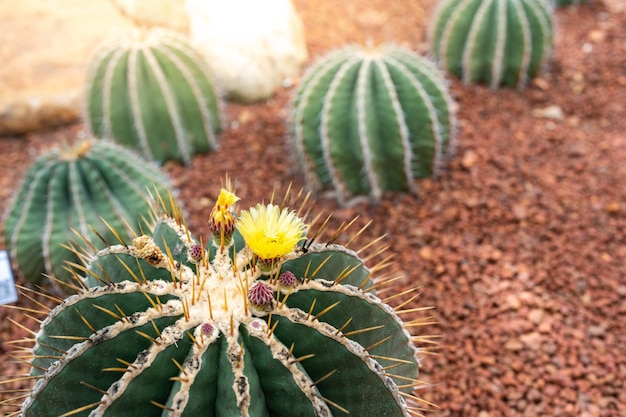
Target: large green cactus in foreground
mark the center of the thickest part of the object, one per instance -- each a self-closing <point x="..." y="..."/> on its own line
<point x="76" y="188"/>
<point x="152" y="92"/>
<point x="262" y="322"/>
<point x="495" y="42"/>
<point x="369" y="120"/>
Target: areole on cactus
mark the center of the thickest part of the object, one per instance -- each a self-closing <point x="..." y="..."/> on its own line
<point x="163" y="326"/>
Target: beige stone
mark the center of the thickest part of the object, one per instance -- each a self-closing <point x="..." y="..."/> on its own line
<point x="251" y="46"/>
<point x="45" y="50"/>
<point x="39" y="111"/>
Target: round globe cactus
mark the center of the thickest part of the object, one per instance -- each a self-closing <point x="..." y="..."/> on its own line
<point x="368" y="120"/>
<point x="152" y="92"/>
<point x="262" y="321"/>
<point x="496" y="42"/>
<point x="570" y="2"/>
<point x="92" y="187"/>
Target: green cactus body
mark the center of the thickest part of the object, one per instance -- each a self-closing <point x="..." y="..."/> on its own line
<point x="371" y="120"/>
<point x="152" y="92"/>
<point x="161" y="331"/>
<point x="77" y="188"/>
<point x="495" y="42"/>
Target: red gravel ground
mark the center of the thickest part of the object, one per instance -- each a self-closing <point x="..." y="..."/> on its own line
<point x="520" y="245"/>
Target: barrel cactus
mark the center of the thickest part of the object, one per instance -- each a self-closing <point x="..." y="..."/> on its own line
<point x="570" y="2"/>
<point x="258" y="320"/>
<point x="368" y="120"/>
<point x="495" y="42"/>
<point x="76" y="188"/>
<point x="152" y="92"/>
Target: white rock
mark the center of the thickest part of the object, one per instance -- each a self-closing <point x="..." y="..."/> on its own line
<point x="251" y="46"/>
<point x="551" y="112"/>
<point x="162" y="13"/>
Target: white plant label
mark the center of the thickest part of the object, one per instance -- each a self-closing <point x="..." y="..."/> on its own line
<point x="8" y="294"/>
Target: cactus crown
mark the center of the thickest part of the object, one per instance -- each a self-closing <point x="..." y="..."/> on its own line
<point x="368" y="120"/>
<point x="74" y="189"/>
<point x="497" y="42"/>
<point x="166" y="326"/>
<point x="152" y="92"/>
<point x="73" y="153"/>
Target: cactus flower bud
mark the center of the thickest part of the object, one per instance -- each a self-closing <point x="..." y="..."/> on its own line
<point x="207" y="329"/>
<point x="195" y="253"/>
<point x="260" y="296"/>
<point x="287" y="279"/>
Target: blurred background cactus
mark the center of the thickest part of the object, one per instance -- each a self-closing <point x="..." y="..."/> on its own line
<point x="151" y="91"/>
<point x="495" y="42"/>
<point x="79" y="187"/>
<point x="368" y="120"/>
<point x="263" y="321"/>
<point x="561" y="3"/>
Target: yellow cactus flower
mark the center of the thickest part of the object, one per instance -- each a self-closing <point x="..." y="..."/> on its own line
<point x="226" y="198"/>
<point x="270" y="232"/>
<point x="222" y="219"/>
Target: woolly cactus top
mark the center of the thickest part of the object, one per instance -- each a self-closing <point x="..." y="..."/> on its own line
<point x="263" y="321"/>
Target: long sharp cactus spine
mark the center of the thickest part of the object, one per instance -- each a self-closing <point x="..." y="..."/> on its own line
<point x="371" y="120"/>
<point x="153" y="93"/>
<point x="77" y="188"/>
<point x="496" y="42"/>
<point x="162" y="331"/>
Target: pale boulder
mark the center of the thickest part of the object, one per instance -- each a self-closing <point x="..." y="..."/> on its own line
<point x="155" y="13"/>
<point x="45" y="49"/>
<point x="251" y="46"/>
<point x="21" y="114"/>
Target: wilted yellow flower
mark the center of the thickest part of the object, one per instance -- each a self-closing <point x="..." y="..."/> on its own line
<point x="270" y="232"/>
